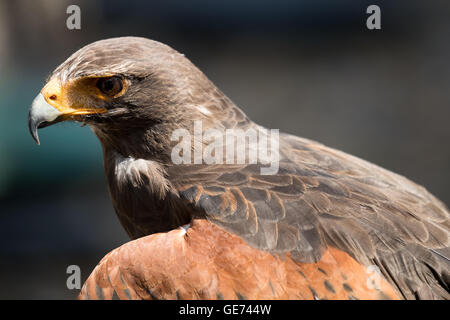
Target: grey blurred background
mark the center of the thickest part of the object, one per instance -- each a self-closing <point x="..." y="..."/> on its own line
<point x="306" y="67"/>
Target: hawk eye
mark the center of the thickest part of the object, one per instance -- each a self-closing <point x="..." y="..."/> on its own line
<point x="110" y="86"/>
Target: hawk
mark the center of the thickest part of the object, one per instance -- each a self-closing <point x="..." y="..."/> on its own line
<point x="326" y="225"/>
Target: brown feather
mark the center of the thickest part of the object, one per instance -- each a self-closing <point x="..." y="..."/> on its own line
<point x="323" y="208"/>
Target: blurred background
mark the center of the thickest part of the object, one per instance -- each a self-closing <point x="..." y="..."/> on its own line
<point x="310" y="68"/>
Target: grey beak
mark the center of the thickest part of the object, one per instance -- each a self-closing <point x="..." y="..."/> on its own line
<point x="41" y="115"/>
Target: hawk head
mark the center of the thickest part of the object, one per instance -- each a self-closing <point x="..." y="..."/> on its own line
<point x="133" y="92"/>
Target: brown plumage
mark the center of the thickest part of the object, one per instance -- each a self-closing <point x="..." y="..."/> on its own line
<point x="205" y="262"/>
<point x="313" y="230"/>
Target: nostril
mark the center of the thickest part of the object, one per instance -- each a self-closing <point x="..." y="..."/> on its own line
<point x="53" y="97"/>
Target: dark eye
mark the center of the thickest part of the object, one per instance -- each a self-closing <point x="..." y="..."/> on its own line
<point x="110" y="86"/>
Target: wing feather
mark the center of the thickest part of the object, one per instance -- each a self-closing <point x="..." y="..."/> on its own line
<point x="323" y="197"/>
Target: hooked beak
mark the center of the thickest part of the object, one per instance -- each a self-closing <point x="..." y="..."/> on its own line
<point x="42" y="115"/>
<point x="57" y="103"/>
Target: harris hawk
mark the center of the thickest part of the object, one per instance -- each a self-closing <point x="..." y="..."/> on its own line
<point x="326" y="225"/>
